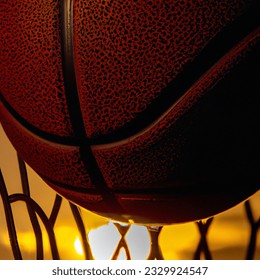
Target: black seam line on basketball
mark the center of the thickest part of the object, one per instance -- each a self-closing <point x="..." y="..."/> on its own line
<point x="224" y="41"/>
<point x="65" y="140"/>
<point x="85" y="190"/>
<point x="146" y="191"/>
<point x="151" y="191"/>
<point x="73" y="103"/>
<point x="68" y="65"/>
<point x="71" y="93"/>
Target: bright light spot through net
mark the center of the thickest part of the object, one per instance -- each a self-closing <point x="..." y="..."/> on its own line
<point x="78" y="246"/>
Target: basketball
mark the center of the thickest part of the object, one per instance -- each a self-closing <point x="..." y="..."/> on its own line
<point x="141" y="111"/>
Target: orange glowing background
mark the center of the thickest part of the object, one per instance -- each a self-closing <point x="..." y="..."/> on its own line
<point x="228" y="236"/>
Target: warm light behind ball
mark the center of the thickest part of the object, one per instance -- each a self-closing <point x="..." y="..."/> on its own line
<point x="140" y="111"/>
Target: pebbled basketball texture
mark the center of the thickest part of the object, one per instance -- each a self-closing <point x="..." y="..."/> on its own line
<point x="141" y="111"/>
